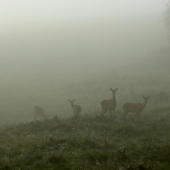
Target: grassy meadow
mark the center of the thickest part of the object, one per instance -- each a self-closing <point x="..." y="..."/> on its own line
<point x="91" y="142"/>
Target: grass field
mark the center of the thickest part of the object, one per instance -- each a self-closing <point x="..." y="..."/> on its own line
<point x="93" y="141"/>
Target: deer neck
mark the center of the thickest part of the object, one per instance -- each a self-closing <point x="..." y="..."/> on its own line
<point x="144" y="104"/>
<point x="113" y="99"/>
<point x="72" y="105"/>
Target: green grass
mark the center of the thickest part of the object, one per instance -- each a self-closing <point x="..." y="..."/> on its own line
<point x="93" y="142"/>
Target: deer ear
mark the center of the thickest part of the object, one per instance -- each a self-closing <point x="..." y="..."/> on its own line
<point x="111" y="89"/>
<point x="73" y="100"/>
<point x="116" y="89"/>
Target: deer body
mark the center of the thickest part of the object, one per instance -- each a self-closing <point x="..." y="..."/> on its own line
<point x="38" y="111"/>
<point x="76" y="108"/>
<point x="135" y="107"/>
<point x="109" y="104"/>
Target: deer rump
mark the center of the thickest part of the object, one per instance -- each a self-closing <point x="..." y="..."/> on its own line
<point x="38" y="111"/>
<point x="108" y="105"/>
<point x="77" y="110"/>
<point x="132" y="107"/>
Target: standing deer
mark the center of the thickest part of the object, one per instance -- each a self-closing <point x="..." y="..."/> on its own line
<point x="109" y="104"/>
<point x="76" y="108"/>
<point x="38" y="111"/>
<point x="135" y="107"/>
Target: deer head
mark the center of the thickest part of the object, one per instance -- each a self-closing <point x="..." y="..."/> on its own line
<point x="71" y="101"/>
<point x="146" y="98"/>
<point x="113" y="91"/>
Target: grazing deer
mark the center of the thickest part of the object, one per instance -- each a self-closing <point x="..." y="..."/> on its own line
<point x="135" y="107"/>
<point x="109" y="104"/>
<point x="38" y="111"/>
<point x="76" y="108"/>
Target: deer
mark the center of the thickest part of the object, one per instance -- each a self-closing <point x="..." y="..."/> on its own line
<point x="76" y="108"/>
<point x="135" y="107"/>
<point x="109" y="104"/>
<point x="38" y="111"/>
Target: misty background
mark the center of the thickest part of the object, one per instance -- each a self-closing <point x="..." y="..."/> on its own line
<point x="55" y="50"/>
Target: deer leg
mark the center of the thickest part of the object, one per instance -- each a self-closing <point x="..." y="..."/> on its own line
<point x="114" y="111"/>
<point x="35" y="116"/>
<point x="125" y="113"/>
<point x="78" y="113"/>
<point x="125" y="116"/>
<point x="73" y="112"/>
<point x="110" y="112"/>
<point x="103" y="112"/>
<point x="75" y="115"/>
<point x="138" y="116"/>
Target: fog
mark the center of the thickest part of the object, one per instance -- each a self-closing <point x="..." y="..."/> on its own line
<point x="69" y="37"/>
<point x="72" y="46"/>
<point x="47" y="56"/>
<point x="84" y="84"/>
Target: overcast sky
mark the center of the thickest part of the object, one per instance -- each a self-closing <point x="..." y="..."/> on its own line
<point x="33" y="10"/>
